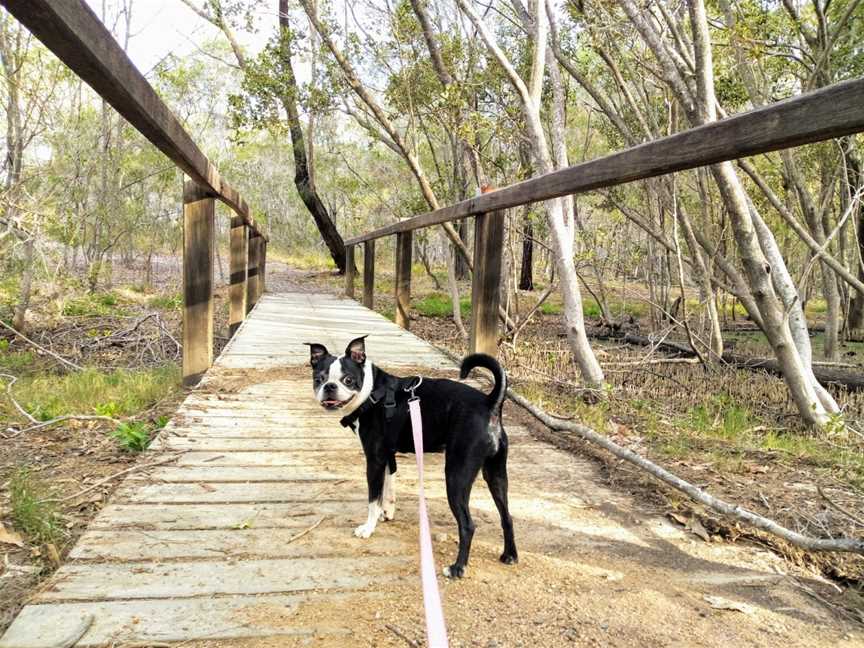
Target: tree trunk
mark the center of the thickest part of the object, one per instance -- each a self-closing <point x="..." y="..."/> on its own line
<point x="302" y="178"/>
<point x="461" y="264"/>
<point x="854" y="179"/>
<point x="20" y="314"/>
<point x="526" y="273"/>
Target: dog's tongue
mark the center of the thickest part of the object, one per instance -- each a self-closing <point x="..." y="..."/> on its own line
<point x="332" y="402"/>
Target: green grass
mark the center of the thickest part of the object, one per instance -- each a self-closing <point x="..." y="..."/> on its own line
<point x="121" y="392"/>
<point x="35" y="517"/>
<point x="440" y="305"/>
<point x="15" y="361"/>
<point x="166" y="302"/>
<point x="551" y="308"/>
<point x="720" y="418"/>
<point x="98" y="304"/>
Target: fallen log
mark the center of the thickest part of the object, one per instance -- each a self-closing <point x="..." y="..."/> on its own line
<point x="734" y="511"/>
<point x="850" y="379"/>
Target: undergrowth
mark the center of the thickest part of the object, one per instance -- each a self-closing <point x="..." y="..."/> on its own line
<point x="115" y="393"/>
<point x="32" y="513"/>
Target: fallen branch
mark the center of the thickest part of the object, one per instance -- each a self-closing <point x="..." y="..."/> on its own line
<point x="297" y="536"/>
<point x="523" y="322"/>
<point x="41" y="348"/>
<point x="851" y="545"/>
<point x="851" y="380"/>
<point x="67" y="417"/>
<point x="127" y="471"/>
<point x="402" y="635"/>
<point x="21" y="410"/>
<point x="857" y="520"/>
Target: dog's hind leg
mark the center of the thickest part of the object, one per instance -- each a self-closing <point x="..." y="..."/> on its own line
<point x="495" y="474"/>
<point x="459" y="482"/>
<point x="375" y="481"/>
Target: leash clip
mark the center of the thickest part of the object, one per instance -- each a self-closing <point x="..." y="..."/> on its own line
<point x="410" y="389"/>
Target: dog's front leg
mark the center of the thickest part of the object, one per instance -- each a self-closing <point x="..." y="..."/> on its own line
<point x="375" y="481"/>
<point x="389" y="499"/>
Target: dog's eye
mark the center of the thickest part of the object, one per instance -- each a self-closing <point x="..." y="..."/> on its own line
<point x="348" y="380"/>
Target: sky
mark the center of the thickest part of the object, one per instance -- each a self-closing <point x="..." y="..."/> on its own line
<point x="162" y="27"/>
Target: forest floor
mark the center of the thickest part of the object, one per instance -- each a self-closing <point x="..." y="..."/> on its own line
<point x="731" y="431"/>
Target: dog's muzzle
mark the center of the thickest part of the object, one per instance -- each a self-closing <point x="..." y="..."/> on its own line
<point x="334" y="404"/>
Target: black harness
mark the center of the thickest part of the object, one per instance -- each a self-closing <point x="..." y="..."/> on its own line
<point x="385" y="394"/>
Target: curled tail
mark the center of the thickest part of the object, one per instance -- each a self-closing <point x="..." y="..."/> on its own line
<point x="496" y="396"/>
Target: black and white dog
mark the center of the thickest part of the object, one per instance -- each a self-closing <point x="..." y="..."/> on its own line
<point x="457" y="419"/>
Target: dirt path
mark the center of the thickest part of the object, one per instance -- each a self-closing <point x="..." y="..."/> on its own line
<point x="245" y="538"/>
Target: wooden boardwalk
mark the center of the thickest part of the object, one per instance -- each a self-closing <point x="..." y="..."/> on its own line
<point x="245" y="530"/>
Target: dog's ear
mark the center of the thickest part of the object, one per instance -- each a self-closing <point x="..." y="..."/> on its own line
<point x="317" y="351"/>
<point x="356" y="350"/>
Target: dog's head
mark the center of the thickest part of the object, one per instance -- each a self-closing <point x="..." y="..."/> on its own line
<point x="341" y="383"/>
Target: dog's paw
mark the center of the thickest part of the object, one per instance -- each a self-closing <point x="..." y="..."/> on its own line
<point x="388" y="512"/>
<point x="509" y="558"/>
<point x="364" y="530"/>
<point x="454" y="571"/>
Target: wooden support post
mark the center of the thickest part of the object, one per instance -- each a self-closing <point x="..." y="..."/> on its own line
<point x="252" y="272"/>
<point x="262" y="266"/>
<point x="485" y="287"/>
<point x="239" y="254"/>
<point x="199" y="211"/>
<point x="368" y="273"/>
<point x="349" y="271"/>
<point x="403" y="278"/>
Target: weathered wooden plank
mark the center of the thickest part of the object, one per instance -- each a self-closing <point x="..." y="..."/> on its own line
<point x="199" y="212"/>
<point x="209" y="444"/>
<point x="369" y="274"/>
<point x="332" y="538"/>
<point x="350" y="269"/>
<point x="71" y="30"/>
<point x="105" y="582"/>
<point x="159" y="621"/>
<point x="238" y="254"/>
<point x="485" y="283"/>
<point x="245" y="474"/>
<point x="402" y="285"/>
<point x="831" y="112"/>
<point x="288" y="491"/>
<point x="190" y="517"/>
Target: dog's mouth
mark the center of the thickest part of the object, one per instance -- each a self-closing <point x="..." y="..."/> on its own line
<point x="333" y="404"/>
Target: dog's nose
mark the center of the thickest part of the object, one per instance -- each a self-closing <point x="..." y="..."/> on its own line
<point x="330" y="387"/>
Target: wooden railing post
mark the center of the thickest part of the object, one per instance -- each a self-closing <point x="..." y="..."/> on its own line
<point x="199" y="211"/>
<point x="368" y="273"/>
<point x="403" y="277"/>
<point x="252" y="271"/>
<point x="485" y="287"/>
<point x="349" y="271"/>
<point x="262" y="265"/>
<point x="239" y="254"/>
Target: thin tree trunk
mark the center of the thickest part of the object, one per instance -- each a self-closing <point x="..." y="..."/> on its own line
<point x="302" y="172"/>
<point x="526" y="272"/>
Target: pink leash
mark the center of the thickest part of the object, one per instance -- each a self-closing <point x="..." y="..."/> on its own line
<point x="436" y="632"/>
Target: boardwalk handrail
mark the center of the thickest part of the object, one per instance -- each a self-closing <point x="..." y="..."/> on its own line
<point x="834" y="111"/>
<point x="74" y="33"/>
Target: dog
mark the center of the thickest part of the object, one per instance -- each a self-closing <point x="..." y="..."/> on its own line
<point x="458" y="420"/>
